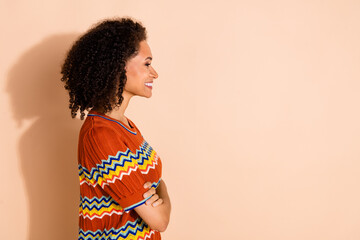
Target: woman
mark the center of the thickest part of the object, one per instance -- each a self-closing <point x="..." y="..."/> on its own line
<point x="122" y="195"/>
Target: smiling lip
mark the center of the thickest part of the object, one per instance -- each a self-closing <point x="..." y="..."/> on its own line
<point x="149" y="84"/>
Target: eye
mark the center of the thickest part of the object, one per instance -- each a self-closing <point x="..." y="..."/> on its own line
<point x="147" y="64"/>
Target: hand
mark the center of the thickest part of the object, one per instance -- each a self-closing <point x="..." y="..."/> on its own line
<point x="155" y="200"/>
<point x="156" y="217"/>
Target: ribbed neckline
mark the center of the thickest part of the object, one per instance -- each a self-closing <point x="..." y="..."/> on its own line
<point x="131" y="130"/>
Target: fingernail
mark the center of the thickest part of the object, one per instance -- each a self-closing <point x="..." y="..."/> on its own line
<point x="146" y="195"/>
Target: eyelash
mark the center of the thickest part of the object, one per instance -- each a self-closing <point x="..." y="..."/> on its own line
<point x="148" y="64"/>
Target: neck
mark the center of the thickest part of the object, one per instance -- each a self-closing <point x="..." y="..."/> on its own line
<point x="119" y="112"/>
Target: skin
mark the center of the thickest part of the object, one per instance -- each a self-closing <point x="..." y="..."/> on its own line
<point x="157" y="217"/>
<point x="138" y="72"/>
<point x="156" y="211"/>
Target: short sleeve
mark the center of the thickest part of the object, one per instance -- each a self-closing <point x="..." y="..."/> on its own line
<point x="108" y="163"/>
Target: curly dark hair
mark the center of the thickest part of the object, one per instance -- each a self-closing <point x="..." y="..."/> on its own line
<point x="94" y="68"/>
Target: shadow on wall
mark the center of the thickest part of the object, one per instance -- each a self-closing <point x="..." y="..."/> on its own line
<point x="48" y="147"/>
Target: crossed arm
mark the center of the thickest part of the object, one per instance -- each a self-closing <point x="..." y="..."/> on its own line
<point x="156" y="211"/>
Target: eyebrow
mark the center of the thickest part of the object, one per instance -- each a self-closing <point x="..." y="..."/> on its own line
<point x="148" y="58"/>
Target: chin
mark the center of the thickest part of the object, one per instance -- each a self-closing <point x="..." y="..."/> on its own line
<point x="147" y="95"/>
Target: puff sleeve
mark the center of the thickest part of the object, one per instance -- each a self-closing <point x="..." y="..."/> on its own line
<point x="108" y="163"/>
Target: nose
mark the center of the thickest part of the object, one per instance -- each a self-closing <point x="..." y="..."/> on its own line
<point x="154" y="73"/>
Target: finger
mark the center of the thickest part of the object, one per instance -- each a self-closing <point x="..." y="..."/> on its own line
<point x="147" y="185"/>
<point x="150" y="192"/>
<point x="158" y="202"/>
<point x="152" y="199"/>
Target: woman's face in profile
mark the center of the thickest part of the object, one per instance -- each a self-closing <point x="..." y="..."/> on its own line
<point x="139" y="73"/>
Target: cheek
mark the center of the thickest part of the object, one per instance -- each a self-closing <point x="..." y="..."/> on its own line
<point x="133" y="74"/>
<point x="133" y="82"/>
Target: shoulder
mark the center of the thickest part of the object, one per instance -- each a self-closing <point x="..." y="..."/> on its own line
<point x="101" y="136"/>
<point x="96" y="128"/>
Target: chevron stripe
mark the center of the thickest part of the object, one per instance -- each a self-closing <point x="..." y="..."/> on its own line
<point x="143" y="153"/>
<point x="106" y="206"/>
<point x="98" y="208"/>
<point x="97" y="202"/>
<point x="123" y="163"/>
<point x="150" y="166"/>
<point x="136" y="230"/>
<point x="146" y="158"/>
<point x="92" y="216"/>
<point x="84" y="179"/>
<point x="109" y="170"/>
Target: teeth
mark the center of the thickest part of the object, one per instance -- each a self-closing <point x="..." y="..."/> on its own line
<point x="149" y="84"/>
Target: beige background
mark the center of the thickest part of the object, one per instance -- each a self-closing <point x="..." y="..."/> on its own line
<point x="255" y="114"/>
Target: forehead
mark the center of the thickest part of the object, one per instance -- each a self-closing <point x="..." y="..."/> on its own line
<point x="144" y="50"/>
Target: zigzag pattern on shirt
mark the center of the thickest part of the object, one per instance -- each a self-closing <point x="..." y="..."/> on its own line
<point x="99" y="207"/>
<point x="131" y="230"/>
<point x="147" y="158"/>
<point x="106" y="206"/>
<point x="115" y="167"/>
<point x="84" y="176"/>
